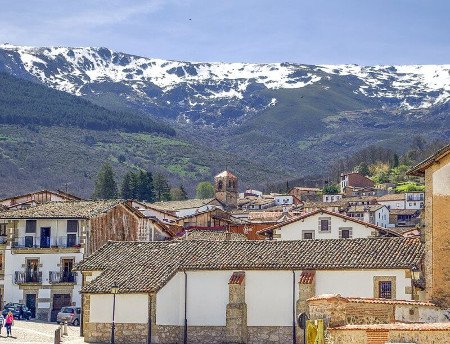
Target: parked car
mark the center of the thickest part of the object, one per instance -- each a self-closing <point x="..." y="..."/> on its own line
<point x="69" y="314"/>
<point x="19" y="311"/>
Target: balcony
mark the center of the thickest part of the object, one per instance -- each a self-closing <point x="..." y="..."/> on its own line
<point x="22" y="277"/>
<point x="62" y="277"/>
<point x="37" y="242"/>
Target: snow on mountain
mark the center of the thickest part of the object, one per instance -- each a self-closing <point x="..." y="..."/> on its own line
<point x="80" y="71"/>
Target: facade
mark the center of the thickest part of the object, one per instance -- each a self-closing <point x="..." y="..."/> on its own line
<point x="303" y="193"/>
<point x="190" y="294"/>
<point x="322" y="224"/>
<point x="408" y="200"/>
<point x="436" y="170"/>
<point x="42" y="244"/>
<point x="374" y="214"/>
<point x="355" y="179"/>
<point x="226" y="189"/>
<point x="332" y="197"/>
<point x="35" y="198"/>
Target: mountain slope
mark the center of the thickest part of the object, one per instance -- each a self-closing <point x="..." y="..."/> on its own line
<point x="290" y="118"/>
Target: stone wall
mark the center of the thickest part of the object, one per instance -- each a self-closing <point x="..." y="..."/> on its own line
<point x="269" y="334"/>
<point x="124" y="333"/>
<point x="381" y="336"/>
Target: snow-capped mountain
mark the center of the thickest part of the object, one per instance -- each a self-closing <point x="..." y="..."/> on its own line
<point x="217" y="93"/>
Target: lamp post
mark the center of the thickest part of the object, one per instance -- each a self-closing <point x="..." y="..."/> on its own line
<point x="415" y="276"/>
<point x="114" y="291"/>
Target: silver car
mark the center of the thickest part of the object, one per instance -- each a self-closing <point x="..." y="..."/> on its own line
<point x="69" y="314"/>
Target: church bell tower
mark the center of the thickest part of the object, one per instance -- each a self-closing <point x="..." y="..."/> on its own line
<point x="226" y="189"/>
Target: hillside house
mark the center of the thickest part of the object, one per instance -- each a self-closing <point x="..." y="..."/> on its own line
<point x="331" y="197"/>
<point x="186" y="207"/>
<point x="354" y="179"/>
<point x="376" y="214"/>
<point x="408" y="200"/>
<point x="302" y="193"/>
<point x="404" y="217"/>
<point x="223" y="291"/>
<point x="42" y="244"/>
<point x="323" y="224"/>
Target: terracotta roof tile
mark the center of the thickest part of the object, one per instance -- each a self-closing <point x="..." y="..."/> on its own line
<point x="147" y="266"/>
<point x="237" y="277"/>
<point x="307" y="277"/>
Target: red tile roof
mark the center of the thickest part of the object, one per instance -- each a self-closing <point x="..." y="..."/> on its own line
<point x="237" y="277"/>
<point x="307" y="277"/>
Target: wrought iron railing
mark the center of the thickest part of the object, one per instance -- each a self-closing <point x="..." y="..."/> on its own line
<point x="62" y="277"/>
<point x="21" y="277"/>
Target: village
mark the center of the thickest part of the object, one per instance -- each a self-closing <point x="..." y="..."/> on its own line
<point x="363" y="265"/>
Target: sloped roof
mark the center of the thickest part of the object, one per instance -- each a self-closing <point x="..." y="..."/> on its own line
<point x="211" y="234"/>
<point x="419" y="169"/>
<point x="392" y="197"/>
<point x="148" y="266"/>
<point x="179" y="205"/>
<point x="68" y="209"/>
<point x="363" y="208"/>
<point x="225" y="174"/>
<point x="59" y="193"/>
<point x="332" y="213"/>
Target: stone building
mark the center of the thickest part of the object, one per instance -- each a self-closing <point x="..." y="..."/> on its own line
<point x="233" y="291"/>
<point x="436" y="170"/>
<point x="226" y="189"/>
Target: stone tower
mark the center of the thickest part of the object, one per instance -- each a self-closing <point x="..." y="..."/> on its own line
<point x="226" y="189"/>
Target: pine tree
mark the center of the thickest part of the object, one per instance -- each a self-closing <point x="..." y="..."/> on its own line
<point x="145" y="186"/>
<point x="178" y="194"/>
<point x="105" y="185"/>
<point x="161" y="187"/>
<point x="126" y="190"/>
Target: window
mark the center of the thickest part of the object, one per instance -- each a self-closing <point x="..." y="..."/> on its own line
<point x="345" y="233"/>
<point x="29" y="241"/>
<point x="325" y="224"/>
<point x="72" y="226"/>
<point x="2" y="229"/>
<point x="308" y="235"/>
<point x="385" y="289"/>
<point x="30" y="226"/>
<point x="71" y="240"/>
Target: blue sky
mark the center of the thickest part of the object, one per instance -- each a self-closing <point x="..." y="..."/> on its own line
<point x="314" y="32"/>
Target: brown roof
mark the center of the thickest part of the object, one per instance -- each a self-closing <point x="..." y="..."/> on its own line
<point x="403" y="211"/>
<point x="148" y="266"/>
<point x="363" y="208"/>
<point x="348" y="218"/>
<point x="58" y="210"/>
<point x="212" y="234"/>
<point x="59" y="193"/>
<point x="392" y="197"/>
<point x="369" y="300"/>
<point x="419" y="169"/>
<point x="179" y="205"/>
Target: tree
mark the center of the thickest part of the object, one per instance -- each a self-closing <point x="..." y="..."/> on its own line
<point x="363" y="168"/>
<point x="204" y="190"/>
<point x="161" y="187"/>
<point x="331" y="189"/>
<point x="396" y="161"/>
<point x="144" y="186"/>
<point x="105" y="185"/>
<point x="178" y="194"/>
<point x="127" y="188"/>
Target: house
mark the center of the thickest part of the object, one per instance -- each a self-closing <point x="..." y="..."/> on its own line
<point x="233" y="291"/>
<point x="354" y="179"/>
<point x="165" y="216"/>
<point x="38" y="197"/>
<point x="302" y="193"/>
<point x="436" y="171"/>
<point x="404" y="217"/>
<point x="407" y="200"/>
<point x="376" y="214"/>
<point x="336" y="206"/>
<point x="185" y="207"/>
<point x="41" y="245"/>
<point x="331" y="197"/>
<point x="323" y="224"/>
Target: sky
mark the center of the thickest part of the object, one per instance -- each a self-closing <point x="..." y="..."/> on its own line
<point x="311" y="32"/>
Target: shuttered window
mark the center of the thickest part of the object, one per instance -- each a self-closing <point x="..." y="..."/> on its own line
<point x="325" y="224"/>
<point x="30" y="226"/>
<point x="72" y="226"/>
<point x="345" y="233"/>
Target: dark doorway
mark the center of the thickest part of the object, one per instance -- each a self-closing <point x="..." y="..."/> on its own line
<point x="31" y="304"/>
<point x="59" y="301"/>
<point x="67" y="274"/>
<point x="45" y="237"/>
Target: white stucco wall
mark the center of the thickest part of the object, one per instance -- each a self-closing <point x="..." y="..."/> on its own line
<point x="207" y="298"/>
<point x="268" y="294"/>
<point x="130" y="308"/>
<point x="293" y="231"/>
<point x="441" y="181"/>
<point x="381" y="217"/>
<point x="393" y="204"/>
<point x="359" y="282"/>
<point x="58" y="229"/>
<point x="49" y="261"/>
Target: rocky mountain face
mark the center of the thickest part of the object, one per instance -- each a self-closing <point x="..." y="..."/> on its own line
<point x="291" y="117"/>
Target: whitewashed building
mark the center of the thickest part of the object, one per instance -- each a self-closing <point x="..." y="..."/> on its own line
<point x="233" y="291"/>
<point x="324" y="224"/>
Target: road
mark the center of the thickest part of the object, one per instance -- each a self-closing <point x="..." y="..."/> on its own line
<point x="33" y="332"/>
